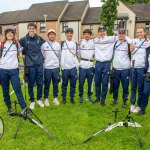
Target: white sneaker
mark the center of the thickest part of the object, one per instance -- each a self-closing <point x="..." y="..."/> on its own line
<point x="136" y="110"/>
<point x="132" y="108"/>
<point x="46" y="102"/>
<point x="32" y="105"/>
<point x="56" y="102"/>
<point x="40" y="103"/>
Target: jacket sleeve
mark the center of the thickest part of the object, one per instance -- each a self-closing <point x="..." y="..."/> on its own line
<point x="22" y="42"/>
<point x="146" y="62"/>
<point x="42" y="41"/>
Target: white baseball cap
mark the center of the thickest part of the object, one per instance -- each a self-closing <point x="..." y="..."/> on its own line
<point x="51" y="30"/>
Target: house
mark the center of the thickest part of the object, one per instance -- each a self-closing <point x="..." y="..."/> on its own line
<point x="53" y="11"/>
<point x="20" y="19"/>
<point x="73" y="17"/>
<point x="126" y="19"/>
<point x="142" y="12"/>
<point x="77" y="15"/>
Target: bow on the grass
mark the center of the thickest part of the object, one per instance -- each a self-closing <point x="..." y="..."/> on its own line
<point x="112" y="126"/>
<point x="120" y="124"/>
<point x="25" y="116"/>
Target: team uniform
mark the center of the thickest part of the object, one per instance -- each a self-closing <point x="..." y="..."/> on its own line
<point x="52" y="53"/>
<point x="0" y="71"/>
<point x="10" y="72"/>
<point x="34" y="60"/>
<point x="86" y="70"/>
<point x="146" y="91"/>
<point x="139" y="68"/>
<point x="70" y="65"/>
<point x="121" y="65"/>
<point x="103" y="55"/>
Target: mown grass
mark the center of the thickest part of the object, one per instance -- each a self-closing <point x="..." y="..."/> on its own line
<point x="71" y="125"/>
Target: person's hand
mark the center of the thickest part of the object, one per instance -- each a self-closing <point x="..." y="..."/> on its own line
<point x="132" y="47"/>
<point x="79" y="42"/>
<point x="60" y="41"/>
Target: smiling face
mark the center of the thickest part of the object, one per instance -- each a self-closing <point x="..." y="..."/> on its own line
<point x="102" y="33"/>
<point x="51" y="36"/>
<point x="31" y="30"/>
<point x="69" y="35"/>
<point x="9" y="36"/>
<point x="140" y="33"/>
<point x="121" y="35"/>
<point x="87" y="36"/>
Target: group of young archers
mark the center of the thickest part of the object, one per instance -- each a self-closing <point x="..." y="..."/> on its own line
<point x="45" y="59"/>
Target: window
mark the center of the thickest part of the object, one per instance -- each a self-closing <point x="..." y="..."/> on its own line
<point x="0" y="29"/>
<point x="64" y="26"/>
<point x="42" y="27"/>
<point x="147" y="27"/>
<point x="91" y="27"/>
<point x="120" y="24"/>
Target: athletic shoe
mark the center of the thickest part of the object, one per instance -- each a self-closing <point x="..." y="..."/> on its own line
<point x="63" y="101"/>
<point x="124" y="105"/>
<point x="56" y="102"/>
<point x="102" y="102"/>
<point x="46" y="102"/>
<point x="141" y="112"/>
<point x="81" y="100"/>
<point x="97" y="101"/>
<point x="114" y="102"/>
<point x="40" y="103"/>
<point x="72" y="100"/>
<point x="32" y="105"/>
<point x="136" y="110"/>
<point x="90" y="99"/>
<point x="132" y="108"/>
<point x="25" y="112"/>
<point x="9" y="111"/>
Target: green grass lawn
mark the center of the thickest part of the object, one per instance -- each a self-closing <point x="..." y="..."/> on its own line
<point x="72" y="124"/>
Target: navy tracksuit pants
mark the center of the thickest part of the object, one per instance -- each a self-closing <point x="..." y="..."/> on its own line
<point x="13" y="76"/>
<point x="51" y="75"/>
<point x="146" y="95"/>
<point x="123" y="76"/>
<point x="69" y="74"/>
<point x="137" y="83"/>
<point x="0" y="76"/>
<point x="102" y="78"/>
<point x="83" y="75"/>
<point x="35" y="76"/>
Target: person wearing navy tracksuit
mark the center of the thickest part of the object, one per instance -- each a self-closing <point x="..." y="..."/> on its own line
<point x="146" y="91"/>
<point x="10" y="70"/>
<point x="103" y="54"/>
<point x="138" y="56"/>
<point x="70" y="65"/>
<point x="121" y="65"/>
<point x="34" y="60"/>
<point x="52" y="52"/>
<point x="86" y="70"/>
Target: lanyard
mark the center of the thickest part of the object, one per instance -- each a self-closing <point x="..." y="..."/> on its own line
<point x="8" y="50"/>
<point x="117" y="45"/>
<point x="138" y="47"/>
<point x="53" y="49"/>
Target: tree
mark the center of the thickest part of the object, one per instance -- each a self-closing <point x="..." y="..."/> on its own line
<point x="109" y="15"/>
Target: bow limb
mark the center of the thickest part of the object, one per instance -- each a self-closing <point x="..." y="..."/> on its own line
<point x="134" y="124"/>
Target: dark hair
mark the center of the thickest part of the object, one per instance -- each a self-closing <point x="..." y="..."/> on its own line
<point x="32" y="25"/>
<point x="69" y="30"/>
<point x="87" y="31"/>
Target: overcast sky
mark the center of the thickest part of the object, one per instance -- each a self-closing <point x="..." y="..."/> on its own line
<point x="10" y="5"/>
